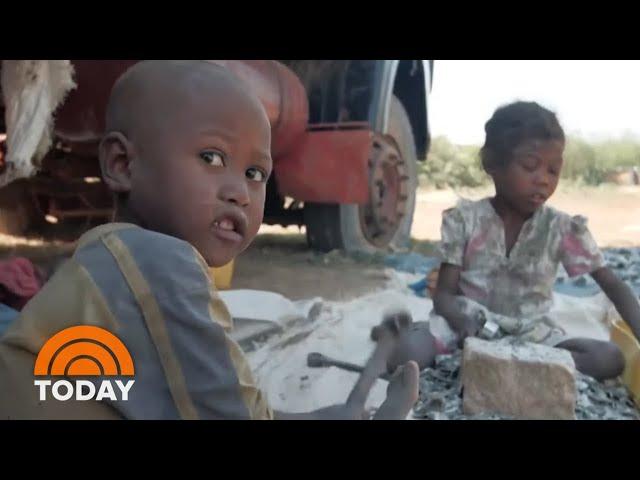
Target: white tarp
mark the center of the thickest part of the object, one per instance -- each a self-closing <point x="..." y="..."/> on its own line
<point x="341" y="330"/>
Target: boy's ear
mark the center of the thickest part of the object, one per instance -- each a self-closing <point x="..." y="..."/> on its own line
<point x="116" y="154"/>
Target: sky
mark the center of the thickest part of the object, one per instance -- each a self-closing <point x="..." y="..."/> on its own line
<point x="596" y="99"/>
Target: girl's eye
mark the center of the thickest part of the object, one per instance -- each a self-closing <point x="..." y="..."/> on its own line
<point x="256" y="174"/>
<point x="529" y="165"/>
<point x="213" y="158"/>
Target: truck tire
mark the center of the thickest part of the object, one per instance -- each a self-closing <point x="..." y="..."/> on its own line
<point x="341" y="226"/>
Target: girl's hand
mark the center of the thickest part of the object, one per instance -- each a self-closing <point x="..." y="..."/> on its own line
<point x="622" y="297"/>
<point x="470" y="328"/>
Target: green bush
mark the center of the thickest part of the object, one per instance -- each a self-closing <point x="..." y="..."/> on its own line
<point x="591" y="163"/>
<point x="450" y="165"/>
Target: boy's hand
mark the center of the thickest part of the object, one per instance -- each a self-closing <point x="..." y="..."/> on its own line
<point x="393" y="325"/>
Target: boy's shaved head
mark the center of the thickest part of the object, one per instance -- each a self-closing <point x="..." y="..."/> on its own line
<point x="145" y="96"/>
<point x="189" y="145"/>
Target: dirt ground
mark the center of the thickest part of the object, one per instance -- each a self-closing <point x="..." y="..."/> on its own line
<point x="280" y="261"/>
<point x="283" y="263"/>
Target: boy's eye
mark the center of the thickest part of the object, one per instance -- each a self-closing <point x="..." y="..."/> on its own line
<point x="213" y="158"/>
<point x="256" y="174"/>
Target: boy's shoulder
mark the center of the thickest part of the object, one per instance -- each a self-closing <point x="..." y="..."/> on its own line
<point x="139" y="241"/>
<point x="130" y="231"/>
<point x="164" y="261"/>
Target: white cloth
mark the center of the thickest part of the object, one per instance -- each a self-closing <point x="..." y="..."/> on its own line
<point x="32" y="90"/>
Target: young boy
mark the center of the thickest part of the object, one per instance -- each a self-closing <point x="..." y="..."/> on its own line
<point x="187" y="153"/>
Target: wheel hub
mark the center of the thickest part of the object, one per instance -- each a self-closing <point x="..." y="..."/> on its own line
<point x="380" y="218"/>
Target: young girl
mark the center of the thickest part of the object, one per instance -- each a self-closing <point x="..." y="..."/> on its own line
<point x="501" y="254"/>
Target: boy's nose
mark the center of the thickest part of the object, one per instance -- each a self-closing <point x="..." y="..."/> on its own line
<point x="234" y="190"/>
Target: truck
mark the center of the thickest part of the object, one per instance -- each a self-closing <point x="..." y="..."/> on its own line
<point x="346" y="139"/>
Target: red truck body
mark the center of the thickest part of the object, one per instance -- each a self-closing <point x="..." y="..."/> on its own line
<point x="330" y="145"/>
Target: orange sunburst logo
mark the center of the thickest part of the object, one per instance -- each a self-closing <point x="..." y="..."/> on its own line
<point x="84" y="351"/>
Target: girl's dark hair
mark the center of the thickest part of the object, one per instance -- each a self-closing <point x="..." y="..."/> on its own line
<point x="513" y="124"/>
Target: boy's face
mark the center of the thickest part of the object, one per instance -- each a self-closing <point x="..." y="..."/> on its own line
<point x="532" y="175"/>
<point x="202" y="175"/>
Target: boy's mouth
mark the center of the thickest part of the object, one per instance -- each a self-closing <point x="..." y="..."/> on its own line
<point x="230" y="227"/>
<point x="224" y="224"/>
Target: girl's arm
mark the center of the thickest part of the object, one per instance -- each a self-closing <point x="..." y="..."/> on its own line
<point x="621" y="296"/>
<point x="446" y="303"/>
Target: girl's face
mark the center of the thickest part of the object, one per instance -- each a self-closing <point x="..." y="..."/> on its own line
<point x="531" y="176"/>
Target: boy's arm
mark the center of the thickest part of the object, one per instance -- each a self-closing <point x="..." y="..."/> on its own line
<point x="621" y="296"/>
<point x="334" y="412"/>
<point x="387" y="335"/>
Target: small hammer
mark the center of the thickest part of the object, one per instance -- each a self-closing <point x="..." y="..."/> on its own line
<point x="318" y="360"/>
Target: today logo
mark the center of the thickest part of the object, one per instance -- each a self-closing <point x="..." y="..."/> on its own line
<point x="84" y="351"/>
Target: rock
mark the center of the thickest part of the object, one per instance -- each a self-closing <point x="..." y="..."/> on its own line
<point x="441" y="384"/>
<point x="527" y="381"/>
